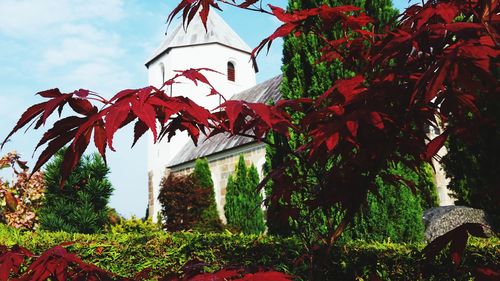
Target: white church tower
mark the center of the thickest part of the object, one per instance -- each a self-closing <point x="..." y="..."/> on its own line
<point x="218" y="48"/>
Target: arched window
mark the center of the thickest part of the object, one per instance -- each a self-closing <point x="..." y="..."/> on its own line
<point x="162" y="71"/>
<point x="231" y="73"/>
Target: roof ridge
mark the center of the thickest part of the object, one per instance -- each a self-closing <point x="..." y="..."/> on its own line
<point x="218" y="31"/>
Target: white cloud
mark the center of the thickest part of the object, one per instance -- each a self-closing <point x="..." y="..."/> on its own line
<point x="98" y="76"/>
<point x="71" y="42"/>
<point x="19" y="18"/>
<point x="81" y="43"/>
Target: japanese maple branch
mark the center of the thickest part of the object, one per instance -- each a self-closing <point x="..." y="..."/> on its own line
<point x="254" y="9"/>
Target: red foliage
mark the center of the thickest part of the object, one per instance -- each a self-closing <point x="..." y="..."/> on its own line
<point x="60" y="265"/>
<point x="11" y="260"/>
<point x="242" y="275"/>
<point x="487" y="274"/>
<point x="146" y="105"/>
<point x="426" y="71"/>
<point x="183" y="200"/>
<point x="55" y="263"/>
<point x="458" y="238"/>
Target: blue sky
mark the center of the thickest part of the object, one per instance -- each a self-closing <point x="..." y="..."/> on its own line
<point x="102" y="46"/>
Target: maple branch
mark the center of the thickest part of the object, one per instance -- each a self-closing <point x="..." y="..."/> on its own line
<point x="335" y="234"/>
<point x="99" y="97"/>
<point x="255" y="9"/>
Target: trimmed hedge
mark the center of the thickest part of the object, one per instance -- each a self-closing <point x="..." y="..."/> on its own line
<point x="127" y="254"/>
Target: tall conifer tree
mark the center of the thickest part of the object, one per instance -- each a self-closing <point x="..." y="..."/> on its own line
<point x="472" y="165"/>
<point x="209" y="220"/>
<point x="304" y="76"/>
<point x="243" y="203"/>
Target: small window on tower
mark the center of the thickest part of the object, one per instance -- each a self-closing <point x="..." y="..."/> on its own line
<point x="231" y="73"/>
<point x="162" y="71"/>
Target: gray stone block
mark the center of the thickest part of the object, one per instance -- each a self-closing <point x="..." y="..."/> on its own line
<point x="440" y="220"/>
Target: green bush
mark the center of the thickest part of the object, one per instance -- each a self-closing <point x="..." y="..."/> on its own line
<point x="243" y="202"/>
<point x="210" y="220"/>
<point x="395" y="214"/>
<point x="472" y="163"/>
<point x="81" y="205"/>
<point x="163" y="252"/>
<point x="135" y="225"/>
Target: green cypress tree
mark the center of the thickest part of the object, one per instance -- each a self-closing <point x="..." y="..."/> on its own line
<point x="426" y="186"/>
<point x="232" y="201"/>
<point x="472" y="163"/>
<point x="303" y="76"/>
<point x="243" y="202"/>
<point x="395" y="214"/>
<point x="256" y="224"/>
<point x="81" y="205"/>
<point x="209" y="220"/>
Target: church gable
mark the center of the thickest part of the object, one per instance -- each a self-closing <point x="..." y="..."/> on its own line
<point x="218" y="31"/>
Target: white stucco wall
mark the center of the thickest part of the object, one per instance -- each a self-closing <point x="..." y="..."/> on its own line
<point x="444" y="194"/>
<point x="213" y="56"/>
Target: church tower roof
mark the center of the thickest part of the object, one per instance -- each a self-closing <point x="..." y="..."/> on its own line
<point x="218" y="31"/>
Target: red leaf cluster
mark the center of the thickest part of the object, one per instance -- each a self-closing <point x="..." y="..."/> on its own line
<point x="295" y="22"/>
<point x="58" y="264"/>
<point x="145" y="106"/>
<point x="240" y="275"/>
<point x="55" y="263"/>
<point x="189" y="9"/>
<point x="11" y="260"/>
<point x="241" y="117"/>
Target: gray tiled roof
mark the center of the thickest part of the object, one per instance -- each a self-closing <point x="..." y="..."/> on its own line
<point x="263" y="92"/>
<point x="218" y="31"/>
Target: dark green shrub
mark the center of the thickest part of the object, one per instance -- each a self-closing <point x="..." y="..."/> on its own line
<point x="426" y="186"/>
<point x="209" y="220"/>
<point x="472" y="164"/>
<point x="81" y="205"/>
<point x="243" y="202"/>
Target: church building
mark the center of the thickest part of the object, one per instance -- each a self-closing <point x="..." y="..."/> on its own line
<point x="221" y="49"/>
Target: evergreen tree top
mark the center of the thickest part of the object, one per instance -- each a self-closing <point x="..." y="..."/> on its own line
<point x="202" y="172"/>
